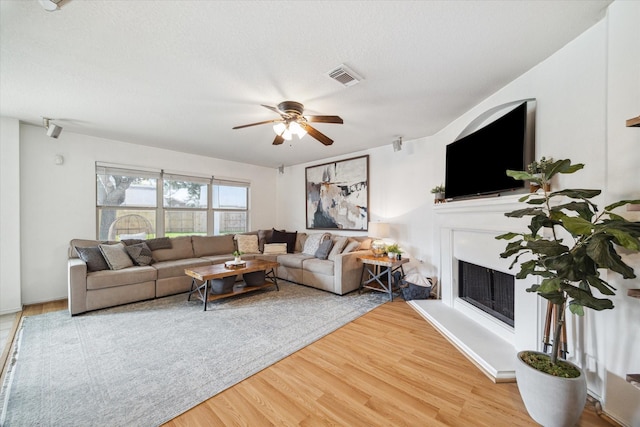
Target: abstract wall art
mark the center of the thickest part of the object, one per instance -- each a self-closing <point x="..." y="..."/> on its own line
<point x="338" y="195"/>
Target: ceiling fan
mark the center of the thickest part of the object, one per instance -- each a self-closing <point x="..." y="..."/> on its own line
<point x="292" y="122"/>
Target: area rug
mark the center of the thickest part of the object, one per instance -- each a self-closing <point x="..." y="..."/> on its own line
<point x="145" y="363"/>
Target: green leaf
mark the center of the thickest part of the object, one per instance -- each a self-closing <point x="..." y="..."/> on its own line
<point x="507" y="236"/>
<point x="522" y="175"/>
<point x="549" y="285"/>
<point x="512" y="249"/>
<point x="576" y="309"/>
<point x="557" y="167"/>
<point x="582" y="208"/>
<point x="547" y="247"/>
<point x="621" y="203"/>
<point x="625" y="239"/>
<point x="583" y="298"/>
<point x="601" y="250"/>
<point x="577" y="193"/>
<point x="519" y="213"/>
<point x="577" y="226"/>
<point x="526" y="268"/>
<point x="601" y="285"/>
<point x="539" y="221"/>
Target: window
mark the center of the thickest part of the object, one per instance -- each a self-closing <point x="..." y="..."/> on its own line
<point x="185" y="202"/>
<point x="126" y="202"/>
<point x="144" y="204"/>
<point x="230" y="207"/>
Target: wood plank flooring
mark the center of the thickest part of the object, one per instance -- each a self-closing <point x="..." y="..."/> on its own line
<point x="387" y="368"/>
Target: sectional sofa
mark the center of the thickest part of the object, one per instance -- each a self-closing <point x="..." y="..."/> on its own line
<point x="100" y="276"/>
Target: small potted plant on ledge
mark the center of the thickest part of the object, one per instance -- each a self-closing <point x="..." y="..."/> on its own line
<point x="237" y="256"/>
<point x="577" y="242"/>
<point x="394" y="251"/>
<point x="438" y="192"/>
<point x="540" y="169"/>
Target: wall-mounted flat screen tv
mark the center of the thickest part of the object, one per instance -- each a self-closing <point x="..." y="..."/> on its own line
<point x="476" y="164"/>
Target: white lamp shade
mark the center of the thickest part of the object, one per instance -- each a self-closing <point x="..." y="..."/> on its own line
<point x="378" y="229"/>
<point x="295" y="128"/>
<point x="278" y="128"/>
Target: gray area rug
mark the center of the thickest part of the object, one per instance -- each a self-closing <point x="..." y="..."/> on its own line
<point x="145" y="363"/>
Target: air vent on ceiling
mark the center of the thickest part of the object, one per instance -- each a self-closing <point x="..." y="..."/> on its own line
<point x="344" y="75"/>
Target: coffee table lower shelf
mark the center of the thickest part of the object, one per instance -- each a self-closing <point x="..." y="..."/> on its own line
<point x="237" y="290"/>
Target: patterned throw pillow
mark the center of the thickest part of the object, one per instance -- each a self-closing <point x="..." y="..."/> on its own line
<point x="93" y="257"/>
<point x="116" y="256"/>
<point x="247" y="243"/>
<point x="313" y="241"/>
<point x="140" y="254"/>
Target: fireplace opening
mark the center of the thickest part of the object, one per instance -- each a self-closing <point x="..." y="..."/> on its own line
<point x="489" y="290"/>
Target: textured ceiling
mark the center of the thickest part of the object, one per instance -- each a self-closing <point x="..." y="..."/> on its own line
<point x="180" y="74"/>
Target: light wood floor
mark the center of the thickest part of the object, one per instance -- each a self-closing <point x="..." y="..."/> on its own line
<point x="387" y="368"/>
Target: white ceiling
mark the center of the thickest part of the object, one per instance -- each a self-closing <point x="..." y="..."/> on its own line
<point x="180" y="74"/>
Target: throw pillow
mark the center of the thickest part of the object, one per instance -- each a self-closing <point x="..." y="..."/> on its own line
<point x="275" y="248"/>
<point x="284" y="237"/>
<point x="140" y="254"/>
<point x="93" y="257"/>
<point x="247" y="243"/>
<point x="323" y="249"/>
<point x="159" y="243"/>
<point x="338" y="246"/>
<point x="313" y="241"/>
<point x="116" y="256"/>
<point x="353" y="245"/>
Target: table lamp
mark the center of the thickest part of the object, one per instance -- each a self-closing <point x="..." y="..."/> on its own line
<point x="378" y="231"/>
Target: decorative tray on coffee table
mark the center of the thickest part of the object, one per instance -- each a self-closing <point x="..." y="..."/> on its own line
<point x="235" y="264"/>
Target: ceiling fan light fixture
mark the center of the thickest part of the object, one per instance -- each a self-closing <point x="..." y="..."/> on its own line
<point x="287" y="134"/>
<point x="278" y="128"/>
<point x="296" y="129"/>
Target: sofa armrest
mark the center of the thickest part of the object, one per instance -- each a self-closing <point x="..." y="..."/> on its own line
<point x="77" y="285"/>
<point x="347" y="270"/>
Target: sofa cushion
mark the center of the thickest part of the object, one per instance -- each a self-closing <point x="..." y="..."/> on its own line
<point x="275" y="248"/>
<point x="140" y="254"/>
<point x="284" y="237"/>
<point x="126" y="276"/>
<point x="353" y="245"/>
<point x="264" y="237"/>
<point x="212" y="245"/>
<point x="180" y="248"/>
<point x="176" y="267"/>
<point x="293" y="260"/>
<point x="324" y="249"/>
<point x="247" y="243"/>
<point x="159" y="243"/>
<point x="319" y="266"/>
<point x="93" y="257"/>
<point x="339" y="243"/>
<point x="116" y="256"/>
<point x="313" y="241"/>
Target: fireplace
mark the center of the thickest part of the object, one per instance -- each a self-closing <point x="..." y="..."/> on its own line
<point x="489" y="290"/>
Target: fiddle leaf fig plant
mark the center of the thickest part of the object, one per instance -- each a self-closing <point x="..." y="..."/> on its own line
<point x="567" y="242"/>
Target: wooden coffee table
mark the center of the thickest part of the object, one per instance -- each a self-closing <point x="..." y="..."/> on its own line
<point x="219" y="271"/>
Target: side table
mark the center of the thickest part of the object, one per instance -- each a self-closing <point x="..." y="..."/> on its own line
<point x="374" y="270"/>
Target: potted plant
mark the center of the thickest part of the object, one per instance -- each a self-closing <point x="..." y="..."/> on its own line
<point x="438" y="192"/>
<point x="566" y="244"/>
<point x="237" y="256"/>
<point x="394" y="251"/>
<point x="539" y="169"/>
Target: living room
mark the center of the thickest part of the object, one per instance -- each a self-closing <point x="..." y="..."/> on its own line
<point x="585" y="92"/>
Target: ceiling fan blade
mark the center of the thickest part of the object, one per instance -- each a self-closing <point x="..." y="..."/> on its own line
<point x="259" y="123"/>
<point x="325" y="119"/>
<point x="278" y="140"/>
<point x="317" y="134"/>
<point x="274" y="109"/>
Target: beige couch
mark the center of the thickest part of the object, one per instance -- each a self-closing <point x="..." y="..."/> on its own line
<point x="92" y="290"/>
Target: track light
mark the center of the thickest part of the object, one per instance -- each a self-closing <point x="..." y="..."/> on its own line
<point x="397" y="144"/>
<point x="53" y="130"/>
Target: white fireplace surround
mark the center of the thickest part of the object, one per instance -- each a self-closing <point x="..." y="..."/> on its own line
<point x="466" y="231"/>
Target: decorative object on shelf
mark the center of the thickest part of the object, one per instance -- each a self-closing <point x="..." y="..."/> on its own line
<point x="568" y="270"/>
<point x="337" y="195"/>
<point x="438" y="192"/>
<point x="394" y="251"/>
<point x="540" y="169"/>
<point x="237" y="255"/>
<point x="378" y="231"/>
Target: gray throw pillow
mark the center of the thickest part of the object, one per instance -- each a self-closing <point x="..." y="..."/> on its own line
<point x="116" y="256"/>
<point x="159" y="243"/>
<point x="140" y="254"/>
<point x="93" y="257"/>
<point x="324" y="249"/>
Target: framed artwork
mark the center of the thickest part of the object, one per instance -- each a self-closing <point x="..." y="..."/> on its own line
<point x="337" y="195"/>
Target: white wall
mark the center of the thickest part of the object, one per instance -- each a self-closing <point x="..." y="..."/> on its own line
<point x="584" y="93"/>
<point x="58" y="202"/>
<point x="10" y="301"/>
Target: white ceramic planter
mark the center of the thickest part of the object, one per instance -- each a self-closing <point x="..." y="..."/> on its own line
<point x="551" y="401"/>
